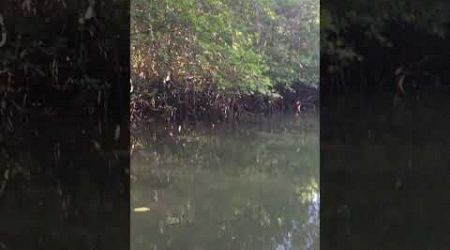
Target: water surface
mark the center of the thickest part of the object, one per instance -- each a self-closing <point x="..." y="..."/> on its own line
<point x="251" y="185"/>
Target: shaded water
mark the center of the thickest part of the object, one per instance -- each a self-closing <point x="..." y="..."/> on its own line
<point x="254" y="185"/>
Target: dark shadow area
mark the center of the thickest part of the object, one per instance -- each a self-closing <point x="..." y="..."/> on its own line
<point x="64" y="125"/>
<point x="384" y="125"/>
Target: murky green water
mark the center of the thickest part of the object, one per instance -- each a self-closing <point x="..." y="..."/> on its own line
<point x="254" y="185"/>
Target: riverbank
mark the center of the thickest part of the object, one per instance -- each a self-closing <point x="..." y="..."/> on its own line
<point x="175" y="102"/>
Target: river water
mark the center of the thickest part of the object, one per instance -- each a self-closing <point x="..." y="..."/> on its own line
<point x="252" y="185"/>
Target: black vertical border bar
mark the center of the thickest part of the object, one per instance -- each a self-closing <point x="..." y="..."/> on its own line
<point x="384" y="156"/>
<point x="64" y="164"/>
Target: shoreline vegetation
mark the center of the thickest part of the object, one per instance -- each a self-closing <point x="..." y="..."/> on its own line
<point x="220" y="60"/>
<point x="174" y="103"/>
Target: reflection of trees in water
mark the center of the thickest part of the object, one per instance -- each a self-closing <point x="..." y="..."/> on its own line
<point x="245" y="189"/>
<point x="217" y="211"/>
<point x="270" y="148"/>
<point x="309" y="229"/>
<point x="312" y="226"/>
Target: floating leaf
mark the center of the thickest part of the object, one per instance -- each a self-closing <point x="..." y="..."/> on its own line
<point x="141" y="209"/>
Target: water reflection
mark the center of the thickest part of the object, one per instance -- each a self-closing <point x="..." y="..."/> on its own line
<point x="309" y="228"/>
<point x="254" y="186"/>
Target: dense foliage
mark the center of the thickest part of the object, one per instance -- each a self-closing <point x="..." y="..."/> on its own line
<point x="247" y="46"/>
